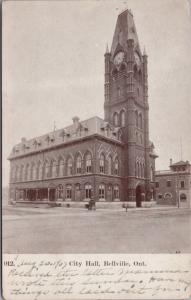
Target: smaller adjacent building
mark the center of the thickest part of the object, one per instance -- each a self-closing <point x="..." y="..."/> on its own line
<point x="173" y="186"/>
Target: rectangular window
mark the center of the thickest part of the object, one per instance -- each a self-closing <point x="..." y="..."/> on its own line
<point x="88" y="193"/>
<point x="182" y="184"/>
<point x="88" y="169"/>
<point x="79" y="170"/>
<point x="168" y="184"/>
<point x="68" y="193"/>
<point x="101" y="169"/>
<point x="116" y="193"/>
<point x="157" y="184"/>
<point x="101" y="192"/>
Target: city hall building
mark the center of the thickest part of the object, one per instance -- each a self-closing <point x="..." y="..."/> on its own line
<point x="110" y="159"/>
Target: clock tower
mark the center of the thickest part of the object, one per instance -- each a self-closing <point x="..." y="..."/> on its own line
<point x="126" y="106"/>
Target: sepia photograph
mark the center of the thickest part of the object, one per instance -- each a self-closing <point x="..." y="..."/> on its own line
<point x="96" y="127"/>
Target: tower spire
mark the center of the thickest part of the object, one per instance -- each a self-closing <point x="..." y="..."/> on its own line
<point x="124" y="30"/>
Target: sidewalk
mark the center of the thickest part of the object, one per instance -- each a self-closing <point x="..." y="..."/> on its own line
<point x="49" y="210"/>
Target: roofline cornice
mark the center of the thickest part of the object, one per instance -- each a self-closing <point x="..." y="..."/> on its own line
<point x="84" y="138"/>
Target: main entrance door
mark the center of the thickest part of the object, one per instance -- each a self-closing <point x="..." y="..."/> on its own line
<point x="138" y="196"/>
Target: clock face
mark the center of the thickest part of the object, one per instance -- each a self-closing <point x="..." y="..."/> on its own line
<point x="137" y="59"/>
<point x="118" y="58"/>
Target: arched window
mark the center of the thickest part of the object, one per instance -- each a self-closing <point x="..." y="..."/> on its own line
<point x="38" y="168"/>
<point x="110" y="165"/>
<point x="101" y="191"/>
<point x="183" y="197"/>
<point x="60" y="191"/>
<point x="60" y="170"/>
<point x="69" y="166"/>
<point x="140" y="121"/>
<point x="79" y="164"/>
<point x="88" y="163"/>
<point x="143" y="170"/>
<point x="116" y="166"/>
<point x="50" y="169"/>
<point x="116" y="192"/>
<point x="88" y="191"/>
<point x="21" y="173"/>
<point x="122" y="118"/>
<point x="26" y="172"/>
<point x="16" y="173"/>
<point x="140" y="170"/>
<point x="102" y="163"/>
<point x="137" y="169"/>
<point x="167" y="196"/>
<point x="115" y="119"/>
<point x="54" y="169"/>
<point x="136" y="118"/>
<point x="32" y="175"/>
<point x="45" y="169"/>
<point x="12" y="173"/>
<point x="68" y="192"/>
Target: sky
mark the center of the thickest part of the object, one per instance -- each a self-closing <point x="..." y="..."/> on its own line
<point x="53" y="68"/>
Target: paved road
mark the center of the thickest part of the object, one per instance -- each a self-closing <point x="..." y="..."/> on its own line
<point x="70" y="230"/>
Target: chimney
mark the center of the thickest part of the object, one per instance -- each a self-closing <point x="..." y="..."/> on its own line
<point x="76" y="121"/>
<point x="23" y="140"/>
<point x="170" y="161"/>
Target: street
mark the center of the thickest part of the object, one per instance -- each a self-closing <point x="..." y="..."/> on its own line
<point x="76" y="230"/>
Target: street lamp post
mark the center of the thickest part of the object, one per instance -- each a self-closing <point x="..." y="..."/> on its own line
<point x="177" y="190"/>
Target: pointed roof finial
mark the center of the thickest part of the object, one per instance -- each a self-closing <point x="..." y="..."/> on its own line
<point x="107" y="49"/>
<point x="144" y="51"/>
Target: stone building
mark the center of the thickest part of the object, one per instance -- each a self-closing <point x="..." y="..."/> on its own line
<point x="173" y="186"/>
<point x="106" y="160"/>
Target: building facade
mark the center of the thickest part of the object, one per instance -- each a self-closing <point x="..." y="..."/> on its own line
<point x="173" y="186"/>
<point x="110" y="159"/>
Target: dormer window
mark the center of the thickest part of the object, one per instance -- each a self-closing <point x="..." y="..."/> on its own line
<point x="35" y="143"/>
<point x="62" y="134"/>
